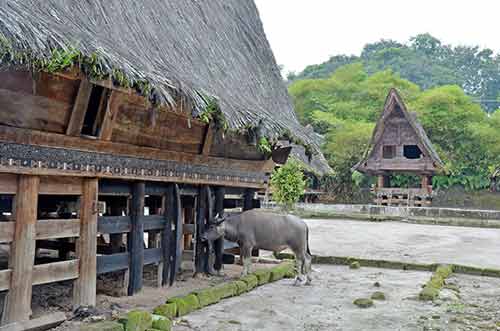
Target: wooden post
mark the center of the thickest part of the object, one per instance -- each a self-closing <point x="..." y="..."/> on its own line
<point x="136" y="239"/>
<point x="176" y="250"/>
<point x="248" y="199"/>
<point x="167" y="234"/>
<point x="18" y="302"/>
<point x="380" y="181"/>
<point x="219" y="243"/>
<point x="84" y="291"/>
<point x="201" y="254"/>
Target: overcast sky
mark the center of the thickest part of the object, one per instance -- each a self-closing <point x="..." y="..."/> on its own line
<point x="303" y="32"/>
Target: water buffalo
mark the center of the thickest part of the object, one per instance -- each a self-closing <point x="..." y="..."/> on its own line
<point x="268" y="231"/>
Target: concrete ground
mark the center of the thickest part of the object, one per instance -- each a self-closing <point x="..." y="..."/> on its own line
<point x="328" y="305"/>
<point x="406" y="242"/>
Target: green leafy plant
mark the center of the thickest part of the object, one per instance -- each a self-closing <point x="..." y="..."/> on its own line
<point x="288" y="184"/>
<point x="213" y="113"/>
<point x="264" y="146"/>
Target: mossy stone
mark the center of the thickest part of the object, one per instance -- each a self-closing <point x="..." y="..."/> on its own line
<point x="354" y="265"/>
<point x="263" y="275"/>
<point x="162" y="323"/>
<point x="241" y="287"/>
<point x="251" y="281"/>
<point x="284" y="270"/>
<point x="207" y="296"/>
<point x="168" y="310"/>
<point x="102" y="326"/>
<point x="363" y="302"/>
<point x="185" y="304"/>
<point x="138" y="321"/>
<point x="226" y="290"/>
<point x="378" y="296"/>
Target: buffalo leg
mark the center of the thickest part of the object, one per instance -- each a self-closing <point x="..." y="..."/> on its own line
<point x="246" y="258"/>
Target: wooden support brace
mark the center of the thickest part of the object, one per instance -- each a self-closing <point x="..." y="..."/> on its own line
<point x="84" y="291"/>
<point x="110" y="116"/>
<point x="79" y="108"/>
<point x="18" y="302"/>
<point x="137" y="239"/>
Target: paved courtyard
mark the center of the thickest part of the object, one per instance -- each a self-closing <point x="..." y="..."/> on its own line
<point x="406" y="242"/>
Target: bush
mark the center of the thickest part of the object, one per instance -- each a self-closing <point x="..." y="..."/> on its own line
<point x="288" y="184"/>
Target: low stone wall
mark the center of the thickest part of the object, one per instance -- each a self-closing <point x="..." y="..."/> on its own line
<point x="424" y="215"/>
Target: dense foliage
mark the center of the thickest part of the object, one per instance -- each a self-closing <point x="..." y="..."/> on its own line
<point x="287" y="183"/>
<point x="345" y="106"/>
<point x="428" y="63"/>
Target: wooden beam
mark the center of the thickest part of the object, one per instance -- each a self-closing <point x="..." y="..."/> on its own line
<point x="52" y="185"/>
<point x="55" y="272"/>
<point x="18" y="307"/>
<point x="52" y="229"/>
<point x="176" y="249"/>
<point x="136" y="239"/>
<point x="113" y="262"/>
<point x="7" y="230"/>
<point x="42" y="323"/>
<point x="5" y="279"/>
<point x="114" y="224"/>
<point x="207" y="142"/>
<point x="110" y="116"/>
<point x="84" y="290"/>
<point x="79" y="108"/>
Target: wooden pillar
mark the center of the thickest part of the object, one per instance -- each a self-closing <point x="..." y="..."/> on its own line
<point x="201" y="253"/>
<point x="18" y="302"/>
<point x="248" y="199"/>
<point x="380" y="181"/>
<point x="167" y="234"/>
<point x="178" y="235"/>
<point x="136" y="241"/>
<point x="219" y="243"/>
<point x="84" y="290"/>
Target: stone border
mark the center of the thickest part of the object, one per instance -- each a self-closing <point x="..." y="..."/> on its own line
<point x="162" y="317"/>
<point x="412" y="215"/>
<point x="386" y="264"/>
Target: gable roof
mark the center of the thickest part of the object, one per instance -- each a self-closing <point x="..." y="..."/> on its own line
<point x="187" y="48"/>
<point x="393" y="98"/>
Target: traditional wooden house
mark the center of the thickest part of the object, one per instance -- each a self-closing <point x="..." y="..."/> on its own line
<point x="120" y="118"/>
<point x="400" y="145"/>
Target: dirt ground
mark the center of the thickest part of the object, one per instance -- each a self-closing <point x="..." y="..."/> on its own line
<point x="406" y="242"/>
<point x="328" y="304"/>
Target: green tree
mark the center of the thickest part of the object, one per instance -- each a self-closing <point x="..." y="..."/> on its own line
<point x="287" y="183"/>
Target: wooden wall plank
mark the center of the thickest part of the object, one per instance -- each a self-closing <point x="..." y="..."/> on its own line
<point x="114" y="224"/>
<point x="207" y="142"/>
<point x="84" y="290"/>
<point x="114" y="262"/>
<point x="79" y="108"/>
<point x="55" y="272"/>
<point x="8" y="184"/>
<point x="5" y="279"/>
<point x="33" y="112"/>
<point x="136" y="239"/>
<point x="18" y="307"/>
<point x="56" y="185"/>
<point x="52" y="229"/>
<point x="7" y="230"/>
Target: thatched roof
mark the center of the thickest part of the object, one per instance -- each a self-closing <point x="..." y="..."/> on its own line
<point x="188" y="48"/>
<point x="317" y="165"/>
<point x="393" y="98"/>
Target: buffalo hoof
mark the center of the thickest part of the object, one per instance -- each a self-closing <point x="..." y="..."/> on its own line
<point x="299" y="281"/>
